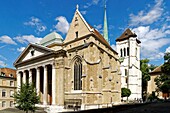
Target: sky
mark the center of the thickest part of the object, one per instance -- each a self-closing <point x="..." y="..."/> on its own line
<point x="28" y="21"/>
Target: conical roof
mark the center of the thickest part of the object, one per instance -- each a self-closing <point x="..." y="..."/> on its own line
<point x="51" y="38"/>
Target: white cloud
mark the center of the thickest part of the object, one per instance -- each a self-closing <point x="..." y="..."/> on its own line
<point x="152" y="41"/>
<point x="93" y="2"/>
<point x="83" y="12"/>
<point x="2" y="57"/>
<point x="2" y="46"/>
<point x="20" y="49"/>
<point x="2" y="64"/>
<point x="98" y="27"/>
<point x="27" y="39"/>
<point x="144" y="18"/>
<point x="62" y="25"/>
<point x="6" y="39"/>
<point x="167" y="49"/>
<point x="36" y="22"/>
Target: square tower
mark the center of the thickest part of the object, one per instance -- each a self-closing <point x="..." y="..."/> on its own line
<point x="128" y="48"/>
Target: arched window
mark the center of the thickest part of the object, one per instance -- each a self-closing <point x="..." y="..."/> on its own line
<point x="124" y="52"/>
<point x="121" y="53"/>
<point x="77" y="75"/>
<point x="127" y="51"/>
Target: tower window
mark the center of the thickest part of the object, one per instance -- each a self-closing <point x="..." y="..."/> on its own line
<point x="77" y="75"/>
<point x="127" y="51"/>
<point x="77" y="34"/>
<point x="124" y="52"/>
<point x="125" y="72"/>
<point x="121" y="53"/>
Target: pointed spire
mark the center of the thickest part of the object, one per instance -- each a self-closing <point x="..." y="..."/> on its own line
<point x="105" y="31"/>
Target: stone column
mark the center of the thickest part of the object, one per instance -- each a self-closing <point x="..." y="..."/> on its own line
<point x="24" y="77"/>
<point x="45" y="96"/>
<point x="53" y="84"/>
<point x="38" y="80"/>
<point x="18" y="81"/>
<point x="30" y="76"/>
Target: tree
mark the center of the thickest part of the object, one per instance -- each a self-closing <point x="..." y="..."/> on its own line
<point x="145" y="69"/>
<point x="125" y="92"/>
<point x="26" y="98"/>
<point x="163" y="81"/>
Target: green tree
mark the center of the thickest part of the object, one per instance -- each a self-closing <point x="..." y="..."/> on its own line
<point x="125" y="92"/>
<point x="145" y="69"/>
<point x="163" y="81"/>
<point x="26" y="98"/>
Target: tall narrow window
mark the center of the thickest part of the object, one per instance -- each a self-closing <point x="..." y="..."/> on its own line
<point x="124" y="52"/>
<point x="77" y="75"/>
<point x="3" y="93"/>
<point x="11" y="103"/>
<point x="127" y="51"/>
<point x="3" y="103"/>
<point x="121" y="53"/>
<point x="136" y="52"/>
<point x="77" y="34"/>
<point x="125" y="72"/>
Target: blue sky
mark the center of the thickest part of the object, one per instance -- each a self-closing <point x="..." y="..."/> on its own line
<point x="28" y="21"/>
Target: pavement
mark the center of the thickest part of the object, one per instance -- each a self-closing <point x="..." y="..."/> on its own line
<point x="150" y="108"/>
<point x="159" y="107"/>
<point x="14" y="110"/>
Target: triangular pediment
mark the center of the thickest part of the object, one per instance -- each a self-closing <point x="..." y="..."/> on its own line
<point x="32" y="51"/>
<point x="78" y="27"/>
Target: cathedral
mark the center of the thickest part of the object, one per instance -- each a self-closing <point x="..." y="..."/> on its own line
<point x="81" y="71"/>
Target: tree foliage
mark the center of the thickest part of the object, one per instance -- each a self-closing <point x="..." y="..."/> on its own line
<point x="145" y="69"/>
<point x="163" y="81"/>
<point x="26" y="98"/>
<point x="125" y="92"/>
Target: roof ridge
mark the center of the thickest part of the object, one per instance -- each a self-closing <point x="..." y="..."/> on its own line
<point x="85" y="22"/>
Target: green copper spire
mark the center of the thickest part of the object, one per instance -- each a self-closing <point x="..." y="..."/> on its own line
<point x="105" y="31"/>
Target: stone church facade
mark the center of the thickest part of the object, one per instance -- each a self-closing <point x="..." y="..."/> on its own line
<point x="82" y="70"/>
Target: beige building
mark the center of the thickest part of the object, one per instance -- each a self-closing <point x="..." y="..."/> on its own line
<point x="151" y="84"/>
<point x="82" y="70"/>
<point x="7" y="87"/>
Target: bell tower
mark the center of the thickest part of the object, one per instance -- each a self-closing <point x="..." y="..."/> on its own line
<point x="128" y="48"/>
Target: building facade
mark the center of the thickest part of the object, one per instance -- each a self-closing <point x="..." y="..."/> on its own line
<point x="82" y="71"/>
<point x="152" y="86"/>
<point x="7" y="87"/>
<point x="128" y="48"/>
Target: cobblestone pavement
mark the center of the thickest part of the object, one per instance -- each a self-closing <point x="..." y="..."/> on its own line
<point x="150" y="108"/>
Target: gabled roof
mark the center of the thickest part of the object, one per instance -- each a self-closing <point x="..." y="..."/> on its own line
<point x="156" y="70"/>
<point x="32" y="45"/>
<point x="87" y="25"/>
<point x="126" y="35"/>
<point x="101" y="38"/>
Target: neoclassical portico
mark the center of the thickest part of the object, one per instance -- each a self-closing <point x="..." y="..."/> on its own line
<point x="44" y="87"/>
<point x="41" y="70"/>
